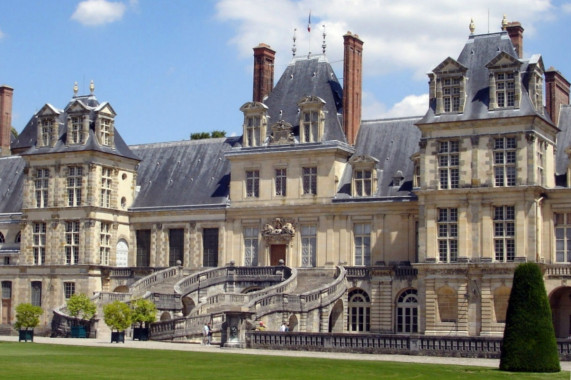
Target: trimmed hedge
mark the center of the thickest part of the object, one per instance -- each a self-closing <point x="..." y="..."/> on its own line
<point x="529" y="343"/>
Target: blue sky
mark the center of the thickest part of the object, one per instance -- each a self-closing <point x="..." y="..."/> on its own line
<point x="173" y="67"/>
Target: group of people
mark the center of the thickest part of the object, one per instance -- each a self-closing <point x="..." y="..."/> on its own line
<point x="207" y="334"/>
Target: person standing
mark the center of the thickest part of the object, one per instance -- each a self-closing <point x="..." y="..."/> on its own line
<point x="205" y="334"/>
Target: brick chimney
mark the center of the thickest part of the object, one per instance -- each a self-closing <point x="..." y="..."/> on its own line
<point x="352" y="85"/>
<point x="264" y="58"/>
<point x="5" y="119"/>
<point x="515" y="31"/>
<point x="556" y="93"/>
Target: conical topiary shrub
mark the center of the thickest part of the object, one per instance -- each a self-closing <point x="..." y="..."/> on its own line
<point x="529" y="343"/>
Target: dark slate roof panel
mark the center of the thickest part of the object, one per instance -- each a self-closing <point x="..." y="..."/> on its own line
<point x="477" y="53"/>
<point x="563" y="140"/>
<point x="183" y="174"/>
<point x="11" y="184"/>
<point x="392" y="142"/>
<point x="307" y="77"/>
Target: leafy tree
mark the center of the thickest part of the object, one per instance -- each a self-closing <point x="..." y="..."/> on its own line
<point x="27" y="316"/>
<point x="117" y="315"/>
<point x="529" y="343"/>
<point x="216" y="134"/>
<point x="80" y="306"/>
<point x="200" y="136"/>
<point x="144" y="312"/>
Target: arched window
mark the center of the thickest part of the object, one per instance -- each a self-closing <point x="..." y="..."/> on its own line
<point x="18" y="237"/>
<point x="359" y="318"/>
<point x="407" y="312"/>
<point x="2" y="240"/>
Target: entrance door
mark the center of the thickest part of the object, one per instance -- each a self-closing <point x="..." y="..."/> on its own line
<point x="277" y="253"/>
<point x="6" y="305"/>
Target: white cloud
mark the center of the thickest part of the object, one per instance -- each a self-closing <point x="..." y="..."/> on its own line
<point x="98" y="12"/>
<point x="411" y="105"/>
<point x="566" y="8"/>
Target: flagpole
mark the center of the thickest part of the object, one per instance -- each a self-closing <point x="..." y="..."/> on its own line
<point x="309" y="31"/>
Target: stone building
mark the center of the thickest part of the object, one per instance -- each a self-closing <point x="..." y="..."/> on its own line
<point x="425" y="217"/>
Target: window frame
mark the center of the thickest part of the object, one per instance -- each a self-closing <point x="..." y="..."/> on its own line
<point x="359" y="311"/>
<point x="72" y="242"/>
<point x="447" y="234"/>
<point x="407" y="312"/>
<point x="362" y="236"/>
<point x="308" y="236"/>
<point x="280" y="182"/>
<point x="562" y="231"/>
<point x="448" y="164"/>
<point x="309" y="180"/>
<point x="504" y="233"/>
<point x="505" y="161"/>
<point x="251" y="245"/>
<point x="41" y="187"/>
<point x="252" y="183"/>
<point x="68" y="289"/>
<point x="106" y="187"/>
<point x="39" y="234"/>
<point x="74" y="185"/>
<point x="105" y="243"/>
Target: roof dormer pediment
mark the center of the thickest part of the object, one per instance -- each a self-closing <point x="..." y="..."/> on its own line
<point x="48" y="110"/>
<point x="76" y="107"/>
<point x="363" y="160"/>
<point x="106" y="109"/>
<point x="311" y="100"/>
<point x="253" y="107"/>
<point x="503" y="60"/>
<point x="449" y="66"/>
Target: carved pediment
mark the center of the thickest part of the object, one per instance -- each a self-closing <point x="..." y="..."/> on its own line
<point x="254" y="107"/>
<point x="311" y="100"/>
<point x="503" y="59"/>
<point x="279" y="231"/>
<point x="106" y="109"/>
<point x="48" y="110"/>
<point x="77" y="107"/>
<point x="363" y="160"/>
<point x="450" y="65"/>
<point x="281" y="133"/>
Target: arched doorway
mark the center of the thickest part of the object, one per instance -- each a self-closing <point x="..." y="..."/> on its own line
<point x="292" y="323"/>
<point x="407" y="312"/>
<point x="121" y="289"/>
<point x="359" y="318"/>
<point x="122" y="254"/>
<point x="336" y="317"/>
<point x="560" y="301"/>
<point x="187" y="305"/>
<point x="165" y="316"/>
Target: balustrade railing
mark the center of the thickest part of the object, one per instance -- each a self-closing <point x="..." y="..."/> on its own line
<point x="146" y="283"/>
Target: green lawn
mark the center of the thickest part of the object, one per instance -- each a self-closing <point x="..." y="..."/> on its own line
<point x="45" y="361"/>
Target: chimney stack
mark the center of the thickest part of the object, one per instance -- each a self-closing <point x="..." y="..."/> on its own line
<point x="556" y="93"/>
<point x="352" y="85"/>
<point x="264" y="58"/>
<point x="5" y="119"/>
<point x="515" y="31"/>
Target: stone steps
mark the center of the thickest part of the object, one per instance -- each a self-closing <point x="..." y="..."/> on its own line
<point x="311" y="279"/>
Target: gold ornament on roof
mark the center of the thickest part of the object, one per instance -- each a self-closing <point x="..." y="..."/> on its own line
<point x="504" y="23"/>
<point x="75" y="89"/>
<point x="472" y="26"/>
<point x="91" y="87"/>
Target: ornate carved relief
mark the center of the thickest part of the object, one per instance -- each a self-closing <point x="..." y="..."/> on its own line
<point x="280" y="231"/>
<point x="281" y="133"/>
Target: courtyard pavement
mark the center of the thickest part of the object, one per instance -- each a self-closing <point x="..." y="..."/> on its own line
<point x="152" y="345"/>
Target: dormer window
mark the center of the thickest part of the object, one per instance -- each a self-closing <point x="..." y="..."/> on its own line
<point x="75" y="130"/>
<point x="105" y="129"/>
<point x="105" y="125"/>
<point x="451" y="94"/>
<point x="46" y="132"/>
<point x="447" y="85"/>
<point x="364" y="176"/>
<point x="311" y="119"/>
<point x="504" y="82"/>
<point x="255" y="122"/>
<point x="505" y="89"/>
<point x="398" y="179"/>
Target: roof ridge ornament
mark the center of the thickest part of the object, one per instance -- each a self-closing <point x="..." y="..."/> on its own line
<point x="472" y="26"/>
<point x="294" y="49"/>
<point x="75" y="89"/>
<point x="324" y="45"/>
<point x="504" y="23"/>
<point x="91" y="87"/>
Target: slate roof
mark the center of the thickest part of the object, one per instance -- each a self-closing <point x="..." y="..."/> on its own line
<point x="392" y="142"/>
<point x="11" y="184"/>
<point x="28" y="138"/>
<point x="476" y="54"/>
<point x="307" y="77"/>
<point x="563" y="141"/>
<point x="189" y="173"/>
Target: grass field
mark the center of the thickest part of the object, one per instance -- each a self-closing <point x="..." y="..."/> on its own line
<point x="46" y="361"/>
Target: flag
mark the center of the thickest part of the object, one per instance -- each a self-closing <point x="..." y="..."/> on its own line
<point x="309" y="22"/>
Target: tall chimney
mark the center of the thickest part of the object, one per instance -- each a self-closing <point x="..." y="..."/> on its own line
<point x="352" y="85"/>
<point x="5" y="119"/>
<point x="556" y="93"/>
<point x="264" y="58"/>
<point x="515" y="31"/>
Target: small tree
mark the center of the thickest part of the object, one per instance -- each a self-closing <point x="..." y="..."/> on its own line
<point x="80" y="306"/>
<point x="144" y="312"/>
<point x="117" y="315"/>
<point x="216" y="134"/>
<point x="529" y="343"/>
<point x="27" y="316"/>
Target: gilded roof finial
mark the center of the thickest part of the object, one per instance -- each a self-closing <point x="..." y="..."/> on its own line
<point x="294" y="49"/>
<point x="75" y="89"/>
<point x="91" y="87"/>
<point x="472" y="26"/>
<point x="504" y="23"/>
<point x="324" y="45"/>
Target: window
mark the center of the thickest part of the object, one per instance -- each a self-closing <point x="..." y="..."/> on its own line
<point x="505" y="89"/>
<point x="448" y="163"/>
<point x="253" y="131"/>
<point x="252" y="183"/>
<point x="448" y="234"/>
<point x="363" y="180"/>
<point x="541" y="147"/>
<point x="106" y="183"/>
<point x="504" y="233"/>
<point x="6" y="260"/>
<point x="105" y="131"/>
<point x="46" y="132"/>
<point x="41" y="184"/>
<point x="359" y="319"/>
<point x="563" y="237"/>
<point x="176" y="246"/>
<point x="6" y="290"/>
<point x="105" y="243"/>
<point x="18" y="237"/>
<point x="74" y="179"/>
<point x="36" y="293"/>
<point x="39" y="244"/>
<point x="416" y="174"/>
<point x="505" y="161"/>
<point x="210" y="247"/>
<point x="310" y="180"/>
<point x="2" y="239"/>
<point x="68" y="289"/>
<point x="143" y="248"/>
<point x="72" y="242"/>
<point x="362" y="233"/>
<point x="251" y="246"/>
<point x="451" y="94"/>
<point x="308" y="245"/>
<point x="310" y="126"/>
<point x="407" y="312"/>
<point x="281" y="182"/>
<point x="75" y="135"/>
